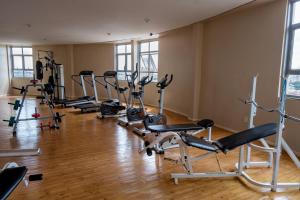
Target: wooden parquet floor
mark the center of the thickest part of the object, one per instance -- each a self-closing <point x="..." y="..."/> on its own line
<point x="92" y="159"/>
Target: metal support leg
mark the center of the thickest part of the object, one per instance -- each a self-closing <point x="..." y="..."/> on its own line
<point x="19" y="111"/>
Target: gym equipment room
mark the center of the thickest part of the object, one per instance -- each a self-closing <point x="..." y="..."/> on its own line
<point x="161" y="99"/>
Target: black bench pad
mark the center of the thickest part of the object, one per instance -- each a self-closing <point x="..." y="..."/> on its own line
<point x="230" y="142"/>
<point x="197" y="142"/>
<point x="174" y="127"/>
<point x="203" y="124"/>
<point x="9" y="180"/>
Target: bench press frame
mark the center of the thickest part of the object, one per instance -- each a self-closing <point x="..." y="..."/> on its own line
<point x="242" y="165"/>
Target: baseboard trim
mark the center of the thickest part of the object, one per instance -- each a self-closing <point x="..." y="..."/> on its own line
<point x="171" y="110"/>
<point x="226" y="128"/>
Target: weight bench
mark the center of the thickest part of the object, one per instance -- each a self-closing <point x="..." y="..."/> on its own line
<point x="224" y="145"/>
<point x="232" y="141"/>
<point x="166" y="136"/>
<point x="10" y="179"/>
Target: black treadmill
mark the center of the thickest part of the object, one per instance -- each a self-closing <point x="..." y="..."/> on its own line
<point x="95" y="106"/>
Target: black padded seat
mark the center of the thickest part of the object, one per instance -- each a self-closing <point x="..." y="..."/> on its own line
<point x="174" y="127"/>
<point x="9" y="180"/>
<point x="86" y="73"/>
<point x="206" y="123"/>
<point x="244" y="137"/>
<point x="197" y="142"/>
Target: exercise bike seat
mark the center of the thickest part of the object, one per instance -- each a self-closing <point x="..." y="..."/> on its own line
<point x="9" y="180"/>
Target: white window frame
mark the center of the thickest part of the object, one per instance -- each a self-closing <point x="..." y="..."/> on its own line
<point x="289" y="44"/>
<point x="23" y="61"/>
<point x="126" y="55"/>
<point x="149" y="72"/>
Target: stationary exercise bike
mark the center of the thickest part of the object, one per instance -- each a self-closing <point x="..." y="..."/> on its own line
<point x="160" y="118"/>
<point x="135" y="115"/>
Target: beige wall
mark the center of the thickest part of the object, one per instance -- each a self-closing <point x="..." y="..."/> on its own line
<point x="236" y="47"/>
<point x="179" y="54"/>
<point x="4" y="75"/>
<point x="96" y="57"/>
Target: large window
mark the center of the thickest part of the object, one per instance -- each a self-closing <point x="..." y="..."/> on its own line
<point x="123" y="60"/>
<point x="148" y="58"/>
<point x="21" y="60"/>
<point x="293" y="49"/>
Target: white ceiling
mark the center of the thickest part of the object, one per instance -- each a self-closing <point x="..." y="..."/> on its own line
<point x="89" y="21"/>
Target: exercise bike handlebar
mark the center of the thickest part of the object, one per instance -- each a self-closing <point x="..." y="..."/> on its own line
<point x="145" y="80"/>
<point x="164" y="82"/>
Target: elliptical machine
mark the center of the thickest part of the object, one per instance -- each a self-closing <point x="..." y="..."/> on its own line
<point x="160" y="118"/>
<point x="135" y="115"/>
<point x="112" y="107"/>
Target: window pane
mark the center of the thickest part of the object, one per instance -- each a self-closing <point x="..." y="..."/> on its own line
<point x="18" y="73"/>
<point x="120" y="48"/>
<point x="121" y="62"/>
<point x="27" y="51"/>
<point x="121" y="76"/>
<point x="128" y="48"/>
<point x="296" y="17"/>
<point x="28" y="64"/>
<point x="295" y="64"/>
<point x="154" y="46"/>
<point x="129" y="62"/>
<point x="144" y="63"/>
<point x="144" y="46"/>
<point x="293" y="85"/>
<point x="153" y="62"/>
<point x="18" y="62"/>
<point x="143" y="74"/>
<point x="28" y="74"/>
<point x="155" y="77"/>
<point x="16" y="50"/>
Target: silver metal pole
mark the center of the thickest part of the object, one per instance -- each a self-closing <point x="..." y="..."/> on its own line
<point x="252" y="115"/>
<point x="278" y="140"/>
<point x="83" y="85"/>
<point x="94" y="87"/>
<point x="62" y="81"/>
<point x="161" y="101"/>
